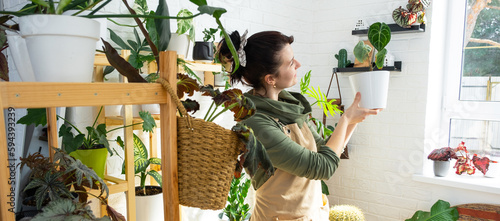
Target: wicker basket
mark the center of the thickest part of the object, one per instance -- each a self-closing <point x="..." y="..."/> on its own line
<point x="207" y="155"/>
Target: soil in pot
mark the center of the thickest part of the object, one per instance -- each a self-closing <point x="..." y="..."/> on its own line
<point x="150" y="190"/>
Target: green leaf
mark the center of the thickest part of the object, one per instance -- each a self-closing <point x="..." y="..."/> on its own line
<point x="361" y="51"/>
<point x="420" y="216"/>
<point x="155" y="160"/>
<point x="42" y="3"/>
<point x="156" y="176"/>
<point x="70" y="142"/>
<point x="62" y="4"/>
<point x="162" y="26"/>
<point x="380" y="57"/>
<point x="148" y="122"/>
<point x="37" y="116"/>
<point x="304" y="82"/>
<point x="140" y="149"/>
<point x="119" y="41"/>
<point x="199" y="2"/>
<point x="379" y="35"/>
<point x="441" y="210"/>
<point x="83" y="172"/>
<point x="184" y="25"/>
<point x="324" y="188"/>
<point x="121" y="65"/>
<point x="140" y="164"/>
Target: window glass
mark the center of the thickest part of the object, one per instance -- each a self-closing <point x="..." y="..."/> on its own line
<point x="480" y="136"/>
<point x="481" y="54"/>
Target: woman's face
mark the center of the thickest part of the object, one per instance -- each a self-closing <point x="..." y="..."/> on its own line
<point x="287" y="72"/>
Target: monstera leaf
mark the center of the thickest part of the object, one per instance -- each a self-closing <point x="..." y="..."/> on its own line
<point x="254" y="155"/>
<point x="185" y="84"/>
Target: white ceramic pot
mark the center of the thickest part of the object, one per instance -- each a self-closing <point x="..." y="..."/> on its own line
<point x="180" y="44"/>
<point x="61" y="48"/>
<point x="19" y="53"/>
<point x="151" y="108"/>
<point x="441" y="168"/>
<point x="149" y="208"/>
<point x="373" y="86"/>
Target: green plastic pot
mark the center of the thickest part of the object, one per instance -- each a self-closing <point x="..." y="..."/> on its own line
<point x="92" y="158"/>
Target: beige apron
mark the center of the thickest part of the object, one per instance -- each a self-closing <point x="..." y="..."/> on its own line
<point x="288" y="197"/>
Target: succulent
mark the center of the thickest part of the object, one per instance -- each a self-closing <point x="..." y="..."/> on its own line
<point x="346" y="213"/>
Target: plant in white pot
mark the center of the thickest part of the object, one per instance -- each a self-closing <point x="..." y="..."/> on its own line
<point x="441" y="158"/>
<point x="60" y="47"/>
<point x="373" y="85"/>
<point x="149" y="199"/>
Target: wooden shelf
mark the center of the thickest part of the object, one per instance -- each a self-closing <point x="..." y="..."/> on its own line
<point x="395" y="29"/>
<point x="396" y="67"/>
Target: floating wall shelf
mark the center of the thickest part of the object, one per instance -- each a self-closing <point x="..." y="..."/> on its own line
<point x="395" y="29"/>
<point x="396" y="67"/>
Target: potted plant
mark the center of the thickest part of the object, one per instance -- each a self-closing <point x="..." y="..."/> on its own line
<point x="441" y="158"/>
<point x="204" y="50"/>
<point x="91" y="148"/>
<point x="180" y="41"/>
<point x="441" y="210"/>
<point x="237" y="209"/>
<point x="468" y="164"/>
<point x="61" y="48"/>
<point x="65" y="183"/>
<point x="373" y="85"/>
<point x="149" y="199"/>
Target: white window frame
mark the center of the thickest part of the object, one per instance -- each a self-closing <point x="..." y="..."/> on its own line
<point x="443" y="100"/>
<point x="453" y="107"/>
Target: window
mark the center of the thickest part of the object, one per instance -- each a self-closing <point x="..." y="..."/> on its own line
<point x="471" y="104"/>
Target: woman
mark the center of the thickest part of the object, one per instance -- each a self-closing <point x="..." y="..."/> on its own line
<point x="298" y="153"/>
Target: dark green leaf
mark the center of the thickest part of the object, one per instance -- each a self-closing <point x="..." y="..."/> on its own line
<point x="37" y="116"/>
<point x="163" y="26"/>
<point x="191" y="105"/>
<point x="379" y="35"/>
<point x="70" y="142"/>
<point x="214" y="11"/>
<point x="117" y="40"/>
<point x="140" y="149"/>
<point x="324" y="188"/>
<point x="4" y="67"/>
<point x="148" y="122"/>
<point x="199" y="2"/>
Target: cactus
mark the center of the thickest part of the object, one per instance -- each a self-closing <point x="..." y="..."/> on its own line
<point x="346" y="213"/>
<point x="342" y="59"/>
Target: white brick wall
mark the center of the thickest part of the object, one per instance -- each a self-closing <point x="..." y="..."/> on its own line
<point x="386" y="149"/>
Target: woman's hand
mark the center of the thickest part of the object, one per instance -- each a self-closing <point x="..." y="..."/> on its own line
<point x="355" y="114"/>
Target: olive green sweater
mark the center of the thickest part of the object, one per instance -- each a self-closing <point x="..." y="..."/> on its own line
<point x="284" y="153"/>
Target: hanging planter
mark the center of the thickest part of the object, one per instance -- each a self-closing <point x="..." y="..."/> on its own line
<point x="61" y="48"/>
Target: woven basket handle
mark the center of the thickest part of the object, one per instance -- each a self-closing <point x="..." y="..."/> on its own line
<point x="177" y="101"/>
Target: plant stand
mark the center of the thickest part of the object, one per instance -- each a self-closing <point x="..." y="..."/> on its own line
<point x="52" y="95"/>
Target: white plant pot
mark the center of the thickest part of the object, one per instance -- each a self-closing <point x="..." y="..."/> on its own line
<point x="61" y="48"/>
<point x="373" y="86"/>
<point x="441" y="168"/>
<point x="180" y="44"/>
<point x="149" y="208"/>
<point x="19" y="53"/>
<point x="151" y="108"/>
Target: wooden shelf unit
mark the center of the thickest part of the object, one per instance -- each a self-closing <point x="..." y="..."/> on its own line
<point x="52" y="95"/>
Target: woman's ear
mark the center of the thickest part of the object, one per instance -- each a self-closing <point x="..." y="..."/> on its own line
<point x="269" y="80"/>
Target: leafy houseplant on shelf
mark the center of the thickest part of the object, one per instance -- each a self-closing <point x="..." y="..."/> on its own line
<point x="65" y="183"/>
<point x="441" y="158"/>
<point x="204" y="50"/>
<point x="59" y="44"/>
<point x="373" y="85"/>
<point x="91" y="148"/>
<point x="149" y="199"/>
